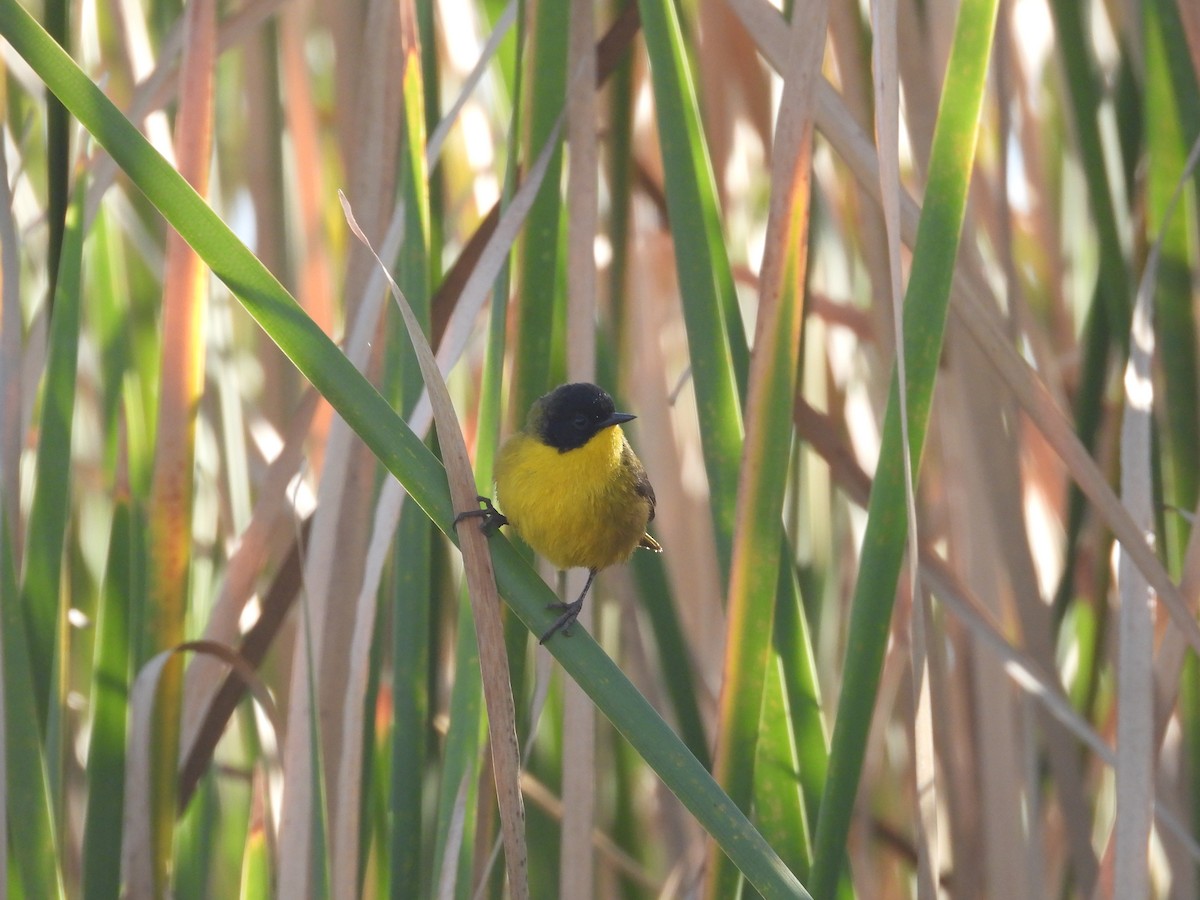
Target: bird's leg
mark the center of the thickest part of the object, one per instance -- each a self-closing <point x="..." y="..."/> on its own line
<point x="492" y="517"/>
<point x="570" y="611"/>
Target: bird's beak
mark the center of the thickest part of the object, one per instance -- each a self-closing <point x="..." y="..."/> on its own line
<point x="616" y="419"/>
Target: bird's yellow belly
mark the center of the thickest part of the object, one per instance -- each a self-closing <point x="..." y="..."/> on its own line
<point x="577" y="509"/>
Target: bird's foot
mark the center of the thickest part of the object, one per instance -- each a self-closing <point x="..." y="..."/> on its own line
<point x="492" y="517"/>
<point x="570" y="612"/>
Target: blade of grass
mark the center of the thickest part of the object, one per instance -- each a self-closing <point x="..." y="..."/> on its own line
<point x="413" y="541"/>
<point x="778" y="799"/>
<point x="1075" y="45"/>
<point x="454" y="835"/>
<point x="536" y="288"/>
<point x="316" y="860"/>
<point x="756" y="557"/>
<point x="58" y="152"/>
<point x="491" y="416"/>
<point x="395" y="445"/>
<point x="27" y="789"/>
<point x="926" y="305"/>
<point x="1108" y="323"/>
<point x="409" y="544"/>
<point x="107" y="319"/>
<point x="538" y="266"/>
<point x="110" y="691"/>
<point x="806" y="720"/>
<point x="1170" y="122"/>
<point x="10" y="354"/>
<point x="618" y="175"/>
<point x="705" y="278"/>
<point x="40" y="590"/>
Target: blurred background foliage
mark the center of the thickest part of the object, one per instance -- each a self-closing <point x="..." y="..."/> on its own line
<point x="681" y="202"/>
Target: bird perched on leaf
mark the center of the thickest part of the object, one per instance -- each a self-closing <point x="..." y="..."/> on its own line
<point x="573" y="489"/>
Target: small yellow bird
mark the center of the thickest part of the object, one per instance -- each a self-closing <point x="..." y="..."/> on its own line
<point x="572" y="487"/>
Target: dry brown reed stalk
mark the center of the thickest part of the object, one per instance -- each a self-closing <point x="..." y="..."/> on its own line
<point x="317" y="585"/>
<point x="314" y="273"/>
<point x="184" y="301"/>
<point x="576" y="863"/>
<point x="485" y="599"/>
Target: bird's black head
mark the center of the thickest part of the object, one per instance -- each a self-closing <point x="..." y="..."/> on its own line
<point x="571" y="415"/>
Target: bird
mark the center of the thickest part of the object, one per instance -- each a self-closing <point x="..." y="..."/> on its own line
<point x="571" y="486"/>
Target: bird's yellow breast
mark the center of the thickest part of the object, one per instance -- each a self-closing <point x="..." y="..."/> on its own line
<point x="580" y="508"/>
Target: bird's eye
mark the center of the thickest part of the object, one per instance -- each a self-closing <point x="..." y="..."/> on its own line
<point x="580" y="422"/>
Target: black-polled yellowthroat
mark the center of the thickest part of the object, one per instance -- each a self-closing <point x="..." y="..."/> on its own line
<point x="572" y="487"/>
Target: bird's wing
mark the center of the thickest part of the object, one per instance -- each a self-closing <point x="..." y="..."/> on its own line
<point x="641" y="481"/>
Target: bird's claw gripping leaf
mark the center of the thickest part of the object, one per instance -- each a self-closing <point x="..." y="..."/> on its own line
<point x="570" y="612"/>
<point x="492" y="518"/>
